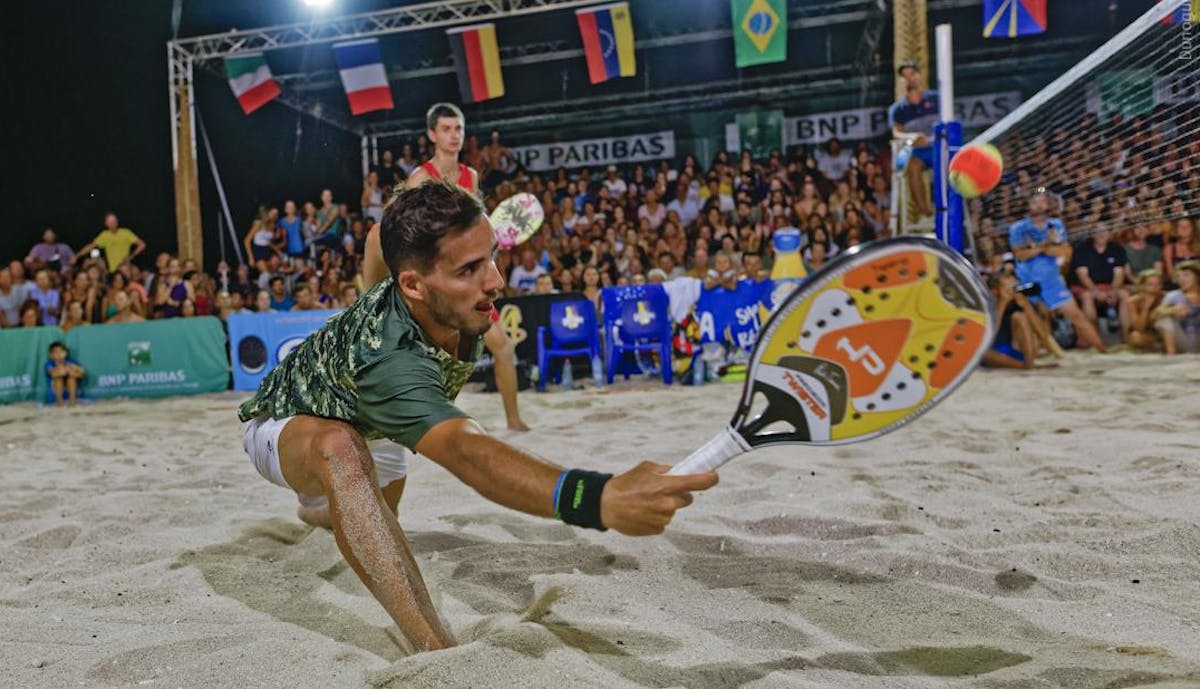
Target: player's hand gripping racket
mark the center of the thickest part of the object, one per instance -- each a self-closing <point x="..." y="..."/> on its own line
<point x="867" y="344"/>
<point x="516" y="219"/>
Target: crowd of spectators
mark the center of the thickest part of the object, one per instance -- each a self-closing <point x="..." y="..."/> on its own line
<point x="1127" y="192"/>
<point x="651" y="222"/>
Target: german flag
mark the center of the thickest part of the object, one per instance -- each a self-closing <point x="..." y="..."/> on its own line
<point x="477" y="59"/>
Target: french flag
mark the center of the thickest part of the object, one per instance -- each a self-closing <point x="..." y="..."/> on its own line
<point x="363" y="75"/>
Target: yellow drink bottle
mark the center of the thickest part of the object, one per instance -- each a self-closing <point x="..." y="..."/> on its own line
<point x="787" y="273"/>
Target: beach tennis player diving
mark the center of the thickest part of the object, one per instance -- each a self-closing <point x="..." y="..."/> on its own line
<point x="386" y="370"/>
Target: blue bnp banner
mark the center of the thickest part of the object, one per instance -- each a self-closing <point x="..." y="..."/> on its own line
<point x="259" y="341"/>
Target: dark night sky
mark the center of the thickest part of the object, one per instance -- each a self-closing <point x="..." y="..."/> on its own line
<point x="86" y="125"/>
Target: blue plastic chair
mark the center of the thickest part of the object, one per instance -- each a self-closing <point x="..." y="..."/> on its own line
<point x="637" y="319"/>
<point x="572" y="332"/>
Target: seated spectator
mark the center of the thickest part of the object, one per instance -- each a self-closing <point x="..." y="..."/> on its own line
<point x="303" y="296"/>
<point x="544" y="285"/>
<point x="652" y="210"/>
<point x="12" y="298"/>
<point x="752" y="268"/>
<point x="1015" y="344"/>
<point x="613" y="182"/>
<point x="64" y="373"/>
<point x="1141" y="254"/>
<point x="1099" y="267"/>
<point x="524" y="275"/>
<point x="1142" y="305"/>
<point x="30" y="315"/>
<point x="74" y="316"/>
<point x="723" y="273"/>
<point x="123" y="312"/>
<point x="1178" y="317"/>
<point x="187" y="309"/>
<point x="45" y="292"/>
<point x="833" y="161"/>
<point x="1183" y="245"/>
<point x="592" y="286"/>
<point x="280" y="300"/>
<point x="182" y="291"/>
<point x="50" y="254"/>
<point x="118" y="243"/>
<point x="262" y="301"/>
<point x="666" y="263"/>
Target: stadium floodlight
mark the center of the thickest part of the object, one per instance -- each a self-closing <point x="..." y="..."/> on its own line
<point x="318" y="4"/>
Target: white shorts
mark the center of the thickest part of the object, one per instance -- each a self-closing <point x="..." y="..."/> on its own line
<point x="260" y="440"/>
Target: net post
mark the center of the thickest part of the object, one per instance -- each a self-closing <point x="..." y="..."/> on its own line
<point x="947" y="139"/>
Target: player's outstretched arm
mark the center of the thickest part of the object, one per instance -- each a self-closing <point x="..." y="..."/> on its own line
<point x="639" y="502"/>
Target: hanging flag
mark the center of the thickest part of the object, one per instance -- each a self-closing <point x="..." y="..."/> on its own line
<point x="477" y="60"/>
<point x="1011" y="18"/>
<point x="1187" y="13"/>
<point x="363" y="75"/>
<point x="250" y="78"/>
<point x="607" y="41"/>
<point x="759" y="31"/>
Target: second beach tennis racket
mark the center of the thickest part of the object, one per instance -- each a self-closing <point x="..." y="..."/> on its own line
<point x="865" y="345"/>
<point x="516" y="219"/>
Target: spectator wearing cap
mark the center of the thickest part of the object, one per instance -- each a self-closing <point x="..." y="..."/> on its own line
<point x="613" y="182"/>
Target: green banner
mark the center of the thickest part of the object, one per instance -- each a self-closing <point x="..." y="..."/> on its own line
<point x="761" y="132"/>
<point x="759" y="31"/>
<point x="179" y="356"/>
<point x="23" y="355"/>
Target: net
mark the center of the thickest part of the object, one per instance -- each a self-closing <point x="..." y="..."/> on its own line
<point x="1116" y="139"/>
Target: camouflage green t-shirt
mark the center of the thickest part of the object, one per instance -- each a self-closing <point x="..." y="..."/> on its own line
<point x="371" y="366"/>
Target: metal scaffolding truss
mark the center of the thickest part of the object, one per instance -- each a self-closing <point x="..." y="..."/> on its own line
<point x="411" y="18"/>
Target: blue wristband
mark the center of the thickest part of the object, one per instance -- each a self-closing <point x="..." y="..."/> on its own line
<point x="558" y="492"/>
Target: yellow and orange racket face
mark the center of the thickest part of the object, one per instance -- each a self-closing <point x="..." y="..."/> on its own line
<point x="876" y="339"/>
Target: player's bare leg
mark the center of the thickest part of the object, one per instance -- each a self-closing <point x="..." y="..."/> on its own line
<point x="322" y="456"/>
<point x="505" y="367"/>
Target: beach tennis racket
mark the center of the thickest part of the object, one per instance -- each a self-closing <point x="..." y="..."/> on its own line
<point x="516" y="219"/>
<point x="865" y="345"/>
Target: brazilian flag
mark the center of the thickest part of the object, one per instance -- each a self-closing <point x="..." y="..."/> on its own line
<point x="759" y="31"/>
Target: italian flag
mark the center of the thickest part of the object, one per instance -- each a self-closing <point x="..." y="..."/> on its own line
<point x="250" y="78"/>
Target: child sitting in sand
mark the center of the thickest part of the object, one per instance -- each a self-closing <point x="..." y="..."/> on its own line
<point x="64" y="374"/>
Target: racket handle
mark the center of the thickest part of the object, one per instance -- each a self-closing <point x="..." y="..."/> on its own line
<point x="723" y="447"/>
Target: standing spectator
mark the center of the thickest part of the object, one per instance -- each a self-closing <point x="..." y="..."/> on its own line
<point x="1178" y="318"/>
<point x="524" y="276"/>
<point x="372" y="198"/>
<point x="388" y="173"/>
<point x="12" y="299"/>
<point x="1038" y="241"/>
<point x="498" y="162"/>
<point x="64" y="374"/>
<point x="293" y="230"/>
<point x="118" y="243"/>
<point x="1099" y="268"/>
<point x="46" y="294"/>
<point x="913" y="116"/>
<point x="49" y="253"/>
<point x="330" y="222"/>
<point x="407" y="164"/>
<point x="259" y="240"/>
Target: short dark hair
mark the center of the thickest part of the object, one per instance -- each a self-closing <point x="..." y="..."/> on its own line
<point x="274" y="278"/>
<point x="57" y="345"/>
<point x="440" y="110"/>
<point x="418" y="217"/>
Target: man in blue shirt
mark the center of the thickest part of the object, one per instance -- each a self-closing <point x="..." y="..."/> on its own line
<point x="1038" y="242"/>
<point x="915" y="114"/>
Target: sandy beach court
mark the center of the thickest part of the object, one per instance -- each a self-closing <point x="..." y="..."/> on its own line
<point x="1037" y="530"/>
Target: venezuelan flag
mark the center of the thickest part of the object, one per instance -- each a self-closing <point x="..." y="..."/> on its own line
<point x="607" y="41"/>
<point x="477" y="60"/>
<point x="1011" y="18"/>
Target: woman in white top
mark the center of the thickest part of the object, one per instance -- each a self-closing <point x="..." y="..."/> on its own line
<point x="372" y="198"/>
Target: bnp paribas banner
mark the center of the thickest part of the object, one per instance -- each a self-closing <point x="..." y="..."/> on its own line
<point x="151" y="359"/>
<point x="23" y="354"/>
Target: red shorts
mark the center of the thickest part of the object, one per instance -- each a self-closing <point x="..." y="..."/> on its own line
<point x="1080" y="290"/>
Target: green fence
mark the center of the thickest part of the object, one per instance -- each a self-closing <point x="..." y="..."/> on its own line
<point x="150" y="359"/>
